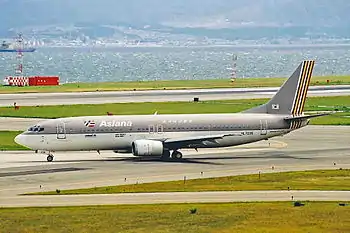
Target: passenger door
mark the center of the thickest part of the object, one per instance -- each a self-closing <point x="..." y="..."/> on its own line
<point x="61" y="130"/>
<point x="263" y="127"/>
<point x="151" y="129"/>
<point x="160" y="129"/>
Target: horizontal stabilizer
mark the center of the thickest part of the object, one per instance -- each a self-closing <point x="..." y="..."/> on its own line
<point x="305" y="117"/>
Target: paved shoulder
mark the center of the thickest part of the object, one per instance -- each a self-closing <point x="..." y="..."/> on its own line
<point x="174" y="197"/>
<point x="33" y="99"/>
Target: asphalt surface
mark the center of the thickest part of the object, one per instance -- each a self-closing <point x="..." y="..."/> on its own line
<point x="17" y="124"/>
<point x="188" y="197"/>
<point x="313" y="147"/>
<point x="36" y="99"/>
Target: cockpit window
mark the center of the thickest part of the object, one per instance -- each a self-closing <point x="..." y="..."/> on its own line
<point x="36" y="128"/>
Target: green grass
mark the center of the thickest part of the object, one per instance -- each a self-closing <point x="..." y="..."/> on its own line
<point x="224" y="106"/>
<point x="224" y="218"/>
<point x="336" y="119"/>
<point x="7" y="141"/>
<point x="174" y="84"/>
<point x="300" y="180"/>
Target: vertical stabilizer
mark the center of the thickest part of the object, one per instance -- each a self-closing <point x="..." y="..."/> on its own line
<point x="290" y="98"/>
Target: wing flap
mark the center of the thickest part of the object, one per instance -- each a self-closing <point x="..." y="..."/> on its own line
<point x="197" y="139"/>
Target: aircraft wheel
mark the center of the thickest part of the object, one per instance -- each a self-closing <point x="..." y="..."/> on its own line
<point x="49" y="158"/>
<point x="176" y="155"/>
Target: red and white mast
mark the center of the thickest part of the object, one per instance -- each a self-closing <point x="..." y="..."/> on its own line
<point x="19" y="46"/>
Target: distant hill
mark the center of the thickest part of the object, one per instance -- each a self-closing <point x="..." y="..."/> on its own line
<point x="321" y="16"/>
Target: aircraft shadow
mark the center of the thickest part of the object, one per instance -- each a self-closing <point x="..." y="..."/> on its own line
<point x="41" y="171"/>
<point x="200" y="159"/>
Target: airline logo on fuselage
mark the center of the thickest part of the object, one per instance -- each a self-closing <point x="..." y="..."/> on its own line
<point x="89" y="124"/>
<point x="115" y="124"/>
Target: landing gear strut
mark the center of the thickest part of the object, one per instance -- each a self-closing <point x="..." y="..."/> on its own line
<point x="166" y="154"/>
<point x="49" y="157"/>
<point x="176" y="155"/>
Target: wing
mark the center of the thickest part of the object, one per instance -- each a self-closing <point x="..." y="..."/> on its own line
<point x="193" y="142"/>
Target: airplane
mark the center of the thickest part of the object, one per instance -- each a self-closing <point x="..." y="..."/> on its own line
<point x="163" y="136"/>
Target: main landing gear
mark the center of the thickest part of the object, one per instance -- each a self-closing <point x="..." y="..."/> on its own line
<point x="176" y="155"/>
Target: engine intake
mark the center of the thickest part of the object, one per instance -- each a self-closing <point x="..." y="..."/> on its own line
<point x="147" y="148"/>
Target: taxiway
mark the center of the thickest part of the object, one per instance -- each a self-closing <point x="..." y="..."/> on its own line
<point x="17" y="123"/>
<point x="313" y="147"/>
<point x="36" y="99"/>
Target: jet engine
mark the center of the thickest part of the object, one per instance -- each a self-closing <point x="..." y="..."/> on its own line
<point x="147" y="148"/>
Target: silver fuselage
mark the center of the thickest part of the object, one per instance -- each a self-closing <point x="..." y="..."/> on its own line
<point x="118" y="132"/>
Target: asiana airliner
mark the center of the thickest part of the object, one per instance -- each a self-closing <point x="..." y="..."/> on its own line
<point x="164" y="135"/>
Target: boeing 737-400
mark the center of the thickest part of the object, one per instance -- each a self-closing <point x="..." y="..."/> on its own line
<point x="164" y="135"/>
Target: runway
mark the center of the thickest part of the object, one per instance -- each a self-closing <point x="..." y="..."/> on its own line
<point x="313" y="147"/>
<point x="35" y="99"/>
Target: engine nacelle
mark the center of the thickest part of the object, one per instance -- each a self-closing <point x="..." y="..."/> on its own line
<point x="147" y="148"/>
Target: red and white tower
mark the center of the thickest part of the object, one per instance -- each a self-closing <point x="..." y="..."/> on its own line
<point x="19" y="45"/>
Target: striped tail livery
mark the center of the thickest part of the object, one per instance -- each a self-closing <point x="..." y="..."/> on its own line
<point x="303" y="86"/>
<point x="290" y="98"/>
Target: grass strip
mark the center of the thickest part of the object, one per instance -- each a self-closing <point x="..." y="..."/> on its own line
<point x="171" y="85"/>
<point x="7" y="141"/>
<point x="331" y="103"/>
<point x="299" y="180"/>
<point x="231" y="217"/>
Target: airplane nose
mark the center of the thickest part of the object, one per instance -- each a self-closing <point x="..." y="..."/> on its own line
<point x="20" y="139"/>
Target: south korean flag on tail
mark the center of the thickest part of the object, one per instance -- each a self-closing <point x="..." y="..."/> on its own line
<point x="275" y="106"/>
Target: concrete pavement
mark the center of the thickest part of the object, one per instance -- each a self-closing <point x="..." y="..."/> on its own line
<point x="313" y="147"/>
<point x="174" y="197"/>
<point x="34" y="99"/>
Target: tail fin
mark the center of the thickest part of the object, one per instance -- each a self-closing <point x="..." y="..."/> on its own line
<point x="290" y="98"/>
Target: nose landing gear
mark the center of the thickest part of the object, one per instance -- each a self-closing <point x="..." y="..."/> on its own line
<point x="49" y="158"/>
